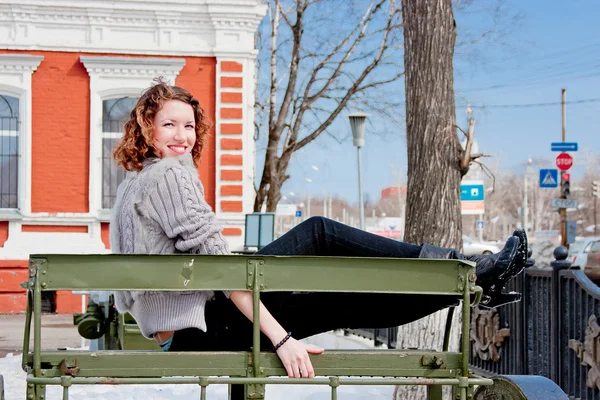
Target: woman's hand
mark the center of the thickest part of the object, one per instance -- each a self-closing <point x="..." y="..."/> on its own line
<point x="293" y="354"/>
<point x="295" y="359"/>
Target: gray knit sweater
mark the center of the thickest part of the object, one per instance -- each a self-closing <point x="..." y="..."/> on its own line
<point x="161" y="210"/>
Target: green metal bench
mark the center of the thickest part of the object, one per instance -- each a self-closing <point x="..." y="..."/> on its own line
<point x="255" y="369"/>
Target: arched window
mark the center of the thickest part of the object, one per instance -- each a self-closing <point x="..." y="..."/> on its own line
<point x="9" y="151"/>
<point x="115" y="113"/>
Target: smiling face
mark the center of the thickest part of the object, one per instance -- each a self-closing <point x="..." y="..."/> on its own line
<point x="174" y="129"/>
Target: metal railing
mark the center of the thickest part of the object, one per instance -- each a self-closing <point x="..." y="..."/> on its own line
<point x="553" y="331"/>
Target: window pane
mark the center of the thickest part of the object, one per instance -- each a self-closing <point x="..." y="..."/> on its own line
<point x="9" y="106"/>
<point x="115" y="113"/>
<point x="111" y="174"/>
<point x="9" y="151"/>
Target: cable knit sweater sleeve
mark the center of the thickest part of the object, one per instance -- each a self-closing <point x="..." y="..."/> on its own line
<point x="177" y="204"/>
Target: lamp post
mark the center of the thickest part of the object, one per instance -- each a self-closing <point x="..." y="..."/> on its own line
<point x="525" y="202"/>
<point x="357" y="124"/>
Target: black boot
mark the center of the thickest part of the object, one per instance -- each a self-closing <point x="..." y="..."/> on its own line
<point x="498" y="269"/>
<point x="493" y="270"/>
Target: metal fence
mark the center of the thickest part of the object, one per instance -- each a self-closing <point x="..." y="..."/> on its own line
<point x="553" y="332"/>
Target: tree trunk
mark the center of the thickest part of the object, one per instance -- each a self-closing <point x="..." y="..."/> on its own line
<point x="427" y="333"/>
<point x="433" y="196"/>
<point x="434" y="152"/>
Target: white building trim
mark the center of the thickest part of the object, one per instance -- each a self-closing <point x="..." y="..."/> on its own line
<point x="15" y="81"/>
<point x="114" y="77"/>
<point x="166" y="27"/>
<point x="248" y="152"/>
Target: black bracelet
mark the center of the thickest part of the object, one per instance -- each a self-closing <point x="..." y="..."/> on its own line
<point x="285" y="339"/>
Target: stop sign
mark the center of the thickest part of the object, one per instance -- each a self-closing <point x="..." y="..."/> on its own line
<point x="564" y="161"/>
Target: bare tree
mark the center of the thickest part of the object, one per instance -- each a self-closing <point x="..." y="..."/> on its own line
<point x="344" y="58"/>
<point x="434" y="152"/>
<point x="436" y="160"/>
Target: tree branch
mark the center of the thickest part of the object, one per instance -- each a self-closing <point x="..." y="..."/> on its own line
<point x="466" y="160"/>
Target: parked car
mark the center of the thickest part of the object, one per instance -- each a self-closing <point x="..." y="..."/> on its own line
<point x="578" y="251"/>
<point x="592" y="265"/>
<point x="471" y="247"/>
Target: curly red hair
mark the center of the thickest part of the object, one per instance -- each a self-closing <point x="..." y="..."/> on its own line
<point x="136" y="145"/>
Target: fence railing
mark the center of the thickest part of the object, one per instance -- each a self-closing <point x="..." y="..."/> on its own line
<point x="553" y="332"/>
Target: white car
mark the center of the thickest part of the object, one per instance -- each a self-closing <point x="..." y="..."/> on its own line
<point x="578" y="251"/>
<point x="471" y="247"/>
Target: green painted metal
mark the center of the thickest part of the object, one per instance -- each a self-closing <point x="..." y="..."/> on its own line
<point x="130" y="337"/>
<point x="435" y="392"/>
<point x="387" y="363"/>
<point x="477" y="381"/>
<point x="255" y="270"/>
<point x="37" y="327"/>
<point x="27" y="332"/>
<point x="259" y="274"/>
<point x="207" y="272"/>
<point x="448" y="329"/>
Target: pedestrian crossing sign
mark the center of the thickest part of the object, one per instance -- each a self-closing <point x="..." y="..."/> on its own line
<point x="548" y="178"/>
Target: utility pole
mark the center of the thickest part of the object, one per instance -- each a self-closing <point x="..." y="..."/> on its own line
<point x="595" y="194"/>
<point x="563" y="211"/>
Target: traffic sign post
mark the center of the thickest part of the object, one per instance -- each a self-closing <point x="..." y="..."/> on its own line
<point x="548" y="178"/>
<point x="564" y="203"/>
<point x="564" y="161"/>
<point x="564" y="146"/>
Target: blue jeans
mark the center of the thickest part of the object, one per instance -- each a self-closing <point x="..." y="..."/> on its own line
<point x="307" y="314"/>
<point x="318" y="236"/>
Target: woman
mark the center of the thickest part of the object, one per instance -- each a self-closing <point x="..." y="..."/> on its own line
<point x="160" y="209"/>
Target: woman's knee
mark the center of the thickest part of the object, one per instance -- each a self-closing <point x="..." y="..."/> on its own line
<point x="316" y="224"/>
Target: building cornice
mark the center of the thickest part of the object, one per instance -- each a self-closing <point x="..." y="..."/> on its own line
<point x="166" y="27"/>
<point x="124" y="67"/>
<point x="19" y="63"/>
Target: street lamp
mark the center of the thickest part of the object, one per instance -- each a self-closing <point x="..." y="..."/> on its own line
<point x="525" y="205"/>
<point x="357" y="124"/>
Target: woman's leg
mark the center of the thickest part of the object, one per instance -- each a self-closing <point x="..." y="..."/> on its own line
<point x="306" y="314"/>
<point x="318" y="236"/>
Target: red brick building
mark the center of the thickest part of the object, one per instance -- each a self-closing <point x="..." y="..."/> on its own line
<point x="69" y="75"/>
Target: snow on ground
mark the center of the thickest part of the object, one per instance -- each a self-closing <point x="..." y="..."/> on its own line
<point x="15" y="385"/>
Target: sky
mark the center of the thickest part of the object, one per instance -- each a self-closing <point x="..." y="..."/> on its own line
<point x="553" y="44"/>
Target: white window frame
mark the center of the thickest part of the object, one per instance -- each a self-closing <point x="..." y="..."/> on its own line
<point x="15" y="81"/>
<point x="114" y="77"/>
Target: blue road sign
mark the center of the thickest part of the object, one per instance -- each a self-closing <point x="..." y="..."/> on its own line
<point x="479" y="224"/>
<point x="564" y="146"/>
<point x="298" y="213"/>
<point x="548" y="178"/>
<point x="471" y="192"/>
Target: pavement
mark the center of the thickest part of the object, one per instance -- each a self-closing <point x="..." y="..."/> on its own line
<point x="58" y="331"/>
